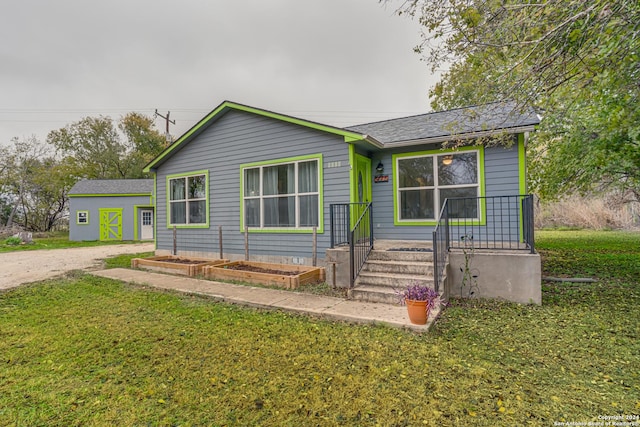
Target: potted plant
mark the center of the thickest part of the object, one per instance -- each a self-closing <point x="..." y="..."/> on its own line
<point x="419" y="299"/>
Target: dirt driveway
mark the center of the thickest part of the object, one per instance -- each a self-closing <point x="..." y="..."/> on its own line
<point x="21" y="267"/>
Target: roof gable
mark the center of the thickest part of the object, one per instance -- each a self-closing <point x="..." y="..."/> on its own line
<point x="220" y="110"/>
<point x="445" y="125"/>
<point x="109" y="187"/>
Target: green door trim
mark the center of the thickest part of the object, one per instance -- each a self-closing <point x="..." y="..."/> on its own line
<point x="110" y="224"/>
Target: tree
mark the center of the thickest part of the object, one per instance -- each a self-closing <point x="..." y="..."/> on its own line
<point x="98" y="149"/>
<point x="579" y="62"/>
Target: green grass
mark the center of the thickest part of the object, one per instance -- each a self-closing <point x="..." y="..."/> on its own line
<point x="55" y="240"/>
<point x="91" y="351"/>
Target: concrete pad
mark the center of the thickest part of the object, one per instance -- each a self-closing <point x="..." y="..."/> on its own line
<point x="308" y="303"/>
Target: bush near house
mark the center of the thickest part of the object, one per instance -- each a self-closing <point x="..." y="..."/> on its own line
<point x="90" y="351"/>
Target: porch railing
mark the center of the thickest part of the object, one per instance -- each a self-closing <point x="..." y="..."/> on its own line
<point x="352" y="224"/>
<point x="493" y="223"/>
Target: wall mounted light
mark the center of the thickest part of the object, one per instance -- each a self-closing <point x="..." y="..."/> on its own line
<point x="380" y="167"/>
<point x="446" y="160"/>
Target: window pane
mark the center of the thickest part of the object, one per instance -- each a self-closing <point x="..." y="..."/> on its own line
<point x="279" y="179"/>
<point x="464" y="208"/>
<point x="279" y="212"/>
<point x="197" y="212"/>
<point x="463" y="169"/>
<point x="308" y="177"/>
<point x="415" y="172"/>
<point x="178" y="213"/>
<point x="308" y="211"/>
<point x="416" y="204"/>
<point x="197" y="187"/>
<point x="252" y="212"/>
<point x="177" y="189"/>
<point x="252" y="182"/>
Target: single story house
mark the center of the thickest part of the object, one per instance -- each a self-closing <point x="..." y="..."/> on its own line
<point x="289" y="182"/>
<point x="111" y="209"/>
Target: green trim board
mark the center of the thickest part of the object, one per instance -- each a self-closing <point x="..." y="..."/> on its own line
<point x="481" y="185"/>
<point x="168" y="204"/>
<point x="299" y="230"/>
<point x="522" y="165"/>
<point x="79" y="215"/>
<point x="348" y="136"/>
<point x="110" y="195"/>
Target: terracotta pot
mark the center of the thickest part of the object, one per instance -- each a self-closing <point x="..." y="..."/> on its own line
<point x="417" y="311"/>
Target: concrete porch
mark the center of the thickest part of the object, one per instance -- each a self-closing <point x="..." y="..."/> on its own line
<point x="393" y="264"/>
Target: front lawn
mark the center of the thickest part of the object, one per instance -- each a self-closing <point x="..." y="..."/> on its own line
<point x="53" y="240"/>
<point x="91" y="351"/>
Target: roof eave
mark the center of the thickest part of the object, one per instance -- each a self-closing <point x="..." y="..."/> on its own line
<point x="470" y="135"/>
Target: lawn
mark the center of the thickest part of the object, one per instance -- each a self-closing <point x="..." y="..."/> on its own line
<point x="90" y="351"/>
<point x="53" y="240"/>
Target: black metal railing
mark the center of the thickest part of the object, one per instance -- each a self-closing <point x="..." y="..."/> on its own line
<point x="352" y="224"/>
<point x="360" y="242"/>
<point x="440" y="247"/>
<point x="494" y="222"/>
<point x="341" y="223"/>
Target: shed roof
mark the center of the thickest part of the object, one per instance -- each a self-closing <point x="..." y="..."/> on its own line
<point x="443" y="125"/>
<point x="112" y="186"/>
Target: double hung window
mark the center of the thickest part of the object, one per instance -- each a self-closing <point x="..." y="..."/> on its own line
<point x="424" y="182"/>
<point x="188" y="200"/>
<point x="282" y="195"/>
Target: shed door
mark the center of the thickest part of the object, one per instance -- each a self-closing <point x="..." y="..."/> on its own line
<point x="146" y="231"/>
<point x="111" y="224"/>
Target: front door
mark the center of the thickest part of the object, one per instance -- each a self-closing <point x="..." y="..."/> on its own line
<point x="146" y="231"/>
<point x="361" y="192"/>
<point x="110" y="224"/>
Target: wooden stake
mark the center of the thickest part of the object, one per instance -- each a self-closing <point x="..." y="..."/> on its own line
<point x="246" y="243"/>
<point x="175" y="240"/>
<point x="315" y="244"/>
<point x="220" y="241"/>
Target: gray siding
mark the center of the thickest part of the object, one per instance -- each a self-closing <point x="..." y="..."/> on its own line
<point x="91" y="231"/>
<point x="238" y="138"/>
<point x="501" y="179"/>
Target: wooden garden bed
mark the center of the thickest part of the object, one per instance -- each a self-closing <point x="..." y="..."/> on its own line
<point x="264" y="273"/>
<point x="188" y="266"/>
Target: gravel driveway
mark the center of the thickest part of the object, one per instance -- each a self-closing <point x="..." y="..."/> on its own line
<point x="17" y="268"/>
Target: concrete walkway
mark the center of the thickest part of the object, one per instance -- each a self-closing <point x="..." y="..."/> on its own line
<point x="298" y="302"/>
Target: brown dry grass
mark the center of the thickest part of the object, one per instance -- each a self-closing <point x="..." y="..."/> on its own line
<point x="610" y="212"/>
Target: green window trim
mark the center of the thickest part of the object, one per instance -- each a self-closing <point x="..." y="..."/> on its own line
<point x="168" y="179"/>
<point x="274" y="162"/>
<point x="481" y="187"/>
<point x="80" y="215"/>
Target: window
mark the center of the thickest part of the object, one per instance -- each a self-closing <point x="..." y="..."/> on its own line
<point x="82" y="217"/>
<point x="282" y="195"/>
<point x="188" y="199"/>
<point x="423" y="182"/>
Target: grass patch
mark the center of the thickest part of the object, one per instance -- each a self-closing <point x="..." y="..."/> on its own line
<point x="91" y="351"/>
<point x="124" y="260"/>
<point x="57" y="240"/>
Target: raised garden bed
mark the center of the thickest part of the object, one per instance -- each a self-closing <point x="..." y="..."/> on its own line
<point x="188" y="266"/>
<point x="264" y="273"/>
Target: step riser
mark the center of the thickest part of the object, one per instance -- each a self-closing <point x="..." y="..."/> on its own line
<point x="423" y="269"/>
<point x="369" y="296"/>
<point x="401" y="256"/>
<point x="393" y="282"/>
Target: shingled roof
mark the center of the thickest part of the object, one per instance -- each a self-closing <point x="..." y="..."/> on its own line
<point x="112" y="186"/>
<point x="443" y="125"/>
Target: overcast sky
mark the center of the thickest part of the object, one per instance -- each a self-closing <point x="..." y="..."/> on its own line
<point x="339" y="62"/>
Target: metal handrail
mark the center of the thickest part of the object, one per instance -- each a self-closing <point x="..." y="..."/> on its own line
<point x="360" y="242"/>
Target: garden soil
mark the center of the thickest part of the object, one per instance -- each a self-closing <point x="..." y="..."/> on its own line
<point x="17" y="268"/>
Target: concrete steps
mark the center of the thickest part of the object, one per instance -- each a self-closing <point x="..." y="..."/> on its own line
<point x="388" y="271"/>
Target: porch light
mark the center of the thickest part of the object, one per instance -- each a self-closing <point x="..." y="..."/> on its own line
<point x="446" y="160"/>
<point x="380" y="167"/>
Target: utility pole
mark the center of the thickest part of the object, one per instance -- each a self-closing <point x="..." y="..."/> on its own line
<point x="167" y="121"/>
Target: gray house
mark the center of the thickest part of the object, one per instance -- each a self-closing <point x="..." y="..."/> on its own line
<point x="283" y="179"/>
<point x="111" y="209"/>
